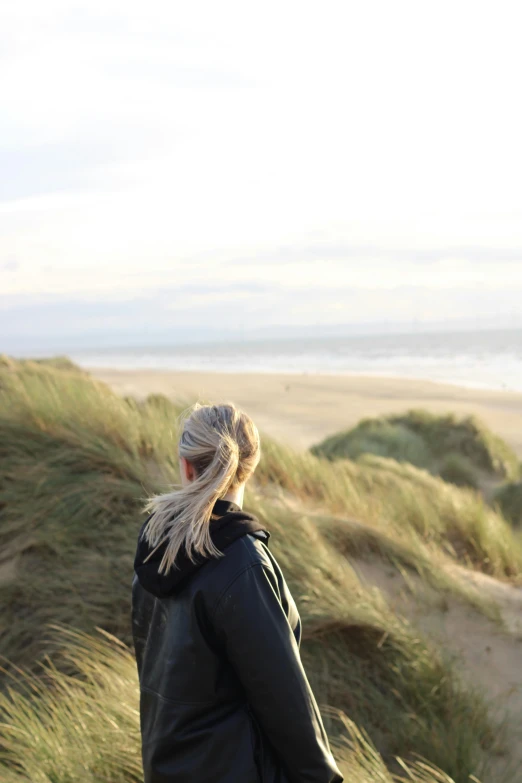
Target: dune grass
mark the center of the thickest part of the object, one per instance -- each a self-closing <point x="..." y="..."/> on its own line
<point x="365" y="660"/>
<point x="54" y="362"/>
<point x="79" y="722"/>
<point x="77" y="463"/>
<point x="83" y="725"/>
<point x="460" y="450"/>
<point x="409" y="510"/>
<point x="381" y="437"/>
<point x="508" y="498"/>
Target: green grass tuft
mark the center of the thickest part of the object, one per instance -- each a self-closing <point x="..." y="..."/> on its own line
<point x="461" y="450"/>
<point x="509" y="499"/>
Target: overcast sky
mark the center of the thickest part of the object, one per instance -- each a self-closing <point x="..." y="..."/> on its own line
<point x="170" y="164"/>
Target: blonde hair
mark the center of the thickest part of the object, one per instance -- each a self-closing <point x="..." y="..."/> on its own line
<point x="222" y="443"/>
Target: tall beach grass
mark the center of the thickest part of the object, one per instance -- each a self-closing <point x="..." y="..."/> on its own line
<point x="78" y="462"/>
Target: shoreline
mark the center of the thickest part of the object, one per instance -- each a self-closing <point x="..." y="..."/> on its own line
<point x="444" y="381"/>
<point x="302" y="408"/>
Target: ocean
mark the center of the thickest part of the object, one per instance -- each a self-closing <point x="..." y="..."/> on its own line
<point x="485" y="359"/>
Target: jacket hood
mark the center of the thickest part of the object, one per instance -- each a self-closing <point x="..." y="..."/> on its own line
<point x="232" y="524"/>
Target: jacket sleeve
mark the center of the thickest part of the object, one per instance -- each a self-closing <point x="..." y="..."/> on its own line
<point x="259" y="642"/>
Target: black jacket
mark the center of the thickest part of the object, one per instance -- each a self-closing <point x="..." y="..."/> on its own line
<point x="224" y="697"/>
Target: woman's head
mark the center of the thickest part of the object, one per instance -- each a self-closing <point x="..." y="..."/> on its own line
<point x="222" y="448"/>
<point x="220" y="441"/>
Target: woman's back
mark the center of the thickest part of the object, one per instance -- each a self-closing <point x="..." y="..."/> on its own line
<point x="223" y="694"/>
<point x="196" y="724"/>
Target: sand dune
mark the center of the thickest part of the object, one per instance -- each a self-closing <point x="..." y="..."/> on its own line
<point x="302" y="409"/>
<point x="487" y="654"/>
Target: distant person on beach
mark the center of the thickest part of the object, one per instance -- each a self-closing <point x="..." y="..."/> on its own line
<point x="224" y="697"/>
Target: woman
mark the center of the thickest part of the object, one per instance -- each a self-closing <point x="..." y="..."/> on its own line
<point x="223" y="694"/>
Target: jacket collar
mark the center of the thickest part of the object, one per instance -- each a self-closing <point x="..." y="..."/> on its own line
<point x="233" y="523"/>
<point x="222" y="507"/>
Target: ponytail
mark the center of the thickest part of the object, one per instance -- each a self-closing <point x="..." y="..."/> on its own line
<point x="222" y="443"/>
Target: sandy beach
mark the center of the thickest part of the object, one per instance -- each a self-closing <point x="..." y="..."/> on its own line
<point x="303" y="409"/>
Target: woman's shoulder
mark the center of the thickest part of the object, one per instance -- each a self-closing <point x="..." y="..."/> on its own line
<point x="247" y="552"/>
